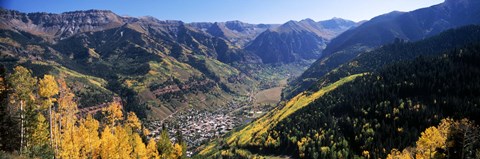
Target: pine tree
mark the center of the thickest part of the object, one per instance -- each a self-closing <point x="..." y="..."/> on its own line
<point x="164" y="144"/>
<point x="9" y="127"/>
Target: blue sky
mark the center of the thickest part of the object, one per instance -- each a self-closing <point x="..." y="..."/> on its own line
<point x="252" y="11"/>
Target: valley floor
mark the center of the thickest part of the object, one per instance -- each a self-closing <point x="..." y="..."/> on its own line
<point x="200" y="126"/>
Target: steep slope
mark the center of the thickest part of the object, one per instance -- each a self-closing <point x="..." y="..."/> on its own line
<point x="152" y="64"/>
<point x="294" y="41"/>
<point x="384" y="109"/>
<point x="410" y="26"/>
<point x="385" y="55"/>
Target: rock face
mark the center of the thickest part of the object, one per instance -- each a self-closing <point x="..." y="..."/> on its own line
<point x="294" y="41"/>
<point x="61" y="25"/>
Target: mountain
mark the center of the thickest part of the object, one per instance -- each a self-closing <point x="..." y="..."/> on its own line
<point x="384" y="29"/>
<point x="156" y="66"/>
<point x="237" y="32"/>
<point x="297" y="40"/>
<point x="384" y="101"/>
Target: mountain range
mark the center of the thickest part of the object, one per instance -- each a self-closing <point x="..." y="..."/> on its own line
<point x="157" y="66"/>
<point x="402" y="83"/>
<point x="410" y="26"/>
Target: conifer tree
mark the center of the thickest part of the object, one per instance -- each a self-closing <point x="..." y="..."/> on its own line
<point x="164" y="144"/>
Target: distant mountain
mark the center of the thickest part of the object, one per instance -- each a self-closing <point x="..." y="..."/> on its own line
<point x="384" y="29"/>
<point x="297" y="40"/>
<point x="237" y="32"/>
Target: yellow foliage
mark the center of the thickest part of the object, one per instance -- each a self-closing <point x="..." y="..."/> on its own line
<point x="431" y="139"/>
<point x="366" y="154"/>
<point x="395" y="154"/>
<point x="69" y="138"/>
<point x="113" y="113"/>
<point x="47" y="86"/>
<point x="177" y="151"/>
<point x="139" y="149"/>
<point x="88" y="131"/>
<point x="124" y="149"/>
<point x="109" y="144"/>
<point x="152" y="152"/>
<point x="133" y="121"/>
<point x="40" y="133"/>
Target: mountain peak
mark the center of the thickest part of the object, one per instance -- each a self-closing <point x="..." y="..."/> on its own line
<point x="308" y="20"/>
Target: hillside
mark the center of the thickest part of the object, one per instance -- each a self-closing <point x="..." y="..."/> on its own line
<point x="398" y="51"/>
<point x="154" y="65"/>
<point x="385" y="109"/>
<point x="409" y="26"/>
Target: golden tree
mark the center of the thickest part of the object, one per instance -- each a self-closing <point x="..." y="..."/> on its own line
<point x="139" y="149"/>
<point x="109" y="144"/>
<point x="133" y="121"/>
<point x="177" y="151"/>
<point x="67" y="109"/>
<point x="113" y="113"/>
<point x="88" y="131"/>
<point x="152" y="152"/>
<point x="124" y="149"/>
<point x="47" y="89"/>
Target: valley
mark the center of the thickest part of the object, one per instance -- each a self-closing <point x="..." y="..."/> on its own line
<point x="92" y="83"/>
<point x="199" y="126"/>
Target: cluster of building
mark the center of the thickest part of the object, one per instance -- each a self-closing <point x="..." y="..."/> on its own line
<point x="198" y="126"/>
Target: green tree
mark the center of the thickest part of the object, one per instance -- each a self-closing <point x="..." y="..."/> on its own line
<point x="39" y="146"/>
<point x="23" y="85"/>
<point x="164" y="144"/>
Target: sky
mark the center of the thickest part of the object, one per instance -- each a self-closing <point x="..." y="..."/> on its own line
<point x="251" y="11"/>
